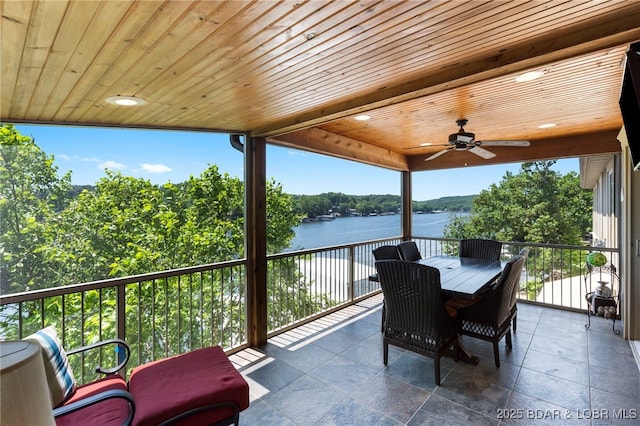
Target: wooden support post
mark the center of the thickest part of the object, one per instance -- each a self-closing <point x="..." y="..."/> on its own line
<point x="406" y="206"/>
<point x="256" y="239"/>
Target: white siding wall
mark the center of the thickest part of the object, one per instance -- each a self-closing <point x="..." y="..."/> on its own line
<point x="605" y="210"/>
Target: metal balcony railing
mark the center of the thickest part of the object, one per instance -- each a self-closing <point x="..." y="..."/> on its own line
<point x="171" y="312"/>
<point x="158" y="314"/>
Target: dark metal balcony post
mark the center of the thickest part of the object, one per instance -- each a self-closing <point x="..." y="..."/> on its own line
<point x="121" y="309"/>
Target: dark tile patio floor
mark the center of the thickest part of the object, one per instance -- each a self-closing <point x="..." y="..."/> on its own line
<point x="330" y="372"/>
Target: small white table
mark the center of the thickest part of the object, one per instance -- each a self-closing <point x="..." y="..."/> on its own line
<point x="25" y="395"/>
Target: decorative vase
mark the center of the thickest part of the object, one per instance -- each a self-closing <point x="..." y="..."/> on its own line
<point x="603" y="290"/>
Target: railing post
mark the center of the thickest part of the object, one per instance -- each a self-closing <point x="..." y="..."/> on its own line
<point x="120" y="313"/>
<point x="121" y="309"/>
<point x="351" y="272"/>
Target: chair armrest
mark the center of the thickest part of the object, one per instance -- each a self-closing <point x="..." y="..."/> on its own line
<point x="94" y="399"/>
<point x="119" y="344"/>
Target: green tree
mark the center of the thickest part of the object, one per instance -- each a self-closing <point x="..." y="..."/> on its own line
<point x="125" y="226"/>
<point x="536" y="205"/>
<point x="31" y="194"/>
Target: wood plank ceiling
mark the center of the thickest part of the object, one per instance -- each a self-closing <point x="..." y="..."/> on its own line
<point x="298" y="72"/>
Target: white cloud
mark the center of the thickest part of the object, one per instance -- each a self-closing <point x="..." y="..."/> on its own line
<point x="66" y="157"/>
<point x="112" y="165"/>
<point x="155" y="168"/>
<point x="91" y="159"/>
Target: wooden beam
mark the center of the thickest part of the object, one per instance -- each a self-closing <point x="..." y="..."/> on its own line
<point x="407" y="207"/>
<point x="323" y="142"/>
<point x="588" y="38"/>
<point x="256" y="230"/>
<point x="604" y="142"/>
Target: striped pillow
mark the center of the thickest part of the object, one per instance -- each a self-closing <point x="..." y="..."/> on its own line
<point x="56" y="366"/>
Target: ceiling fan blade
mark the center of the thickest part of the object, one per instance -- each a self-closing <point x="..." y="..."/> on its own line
<point x="464" y="138"/>
<point x="482" y="152"/>
<point x="437" y="154"/>
<point x="504" y="143"/>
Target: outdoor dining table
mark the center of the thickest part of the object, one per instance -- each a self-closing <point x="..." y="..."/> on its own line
<point x="464" y="277"/>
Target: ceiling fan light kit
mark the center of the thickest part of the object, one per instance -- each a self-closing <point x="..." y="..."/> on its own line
<point x="465" y="141"/>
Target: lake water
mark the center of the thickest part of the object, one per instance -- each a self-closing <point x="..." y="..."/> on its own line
<point x="345" y="230"/>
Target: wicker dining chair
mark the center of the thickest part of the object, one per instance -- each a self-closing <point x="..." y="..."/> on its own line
<point x="490" y="319"/>
<point x="514" y="322"/>
<point x="409" y="251"/>
<point x="480" y="248"/>
<point x="386" y="252"/>
<point x="416" y="318"/>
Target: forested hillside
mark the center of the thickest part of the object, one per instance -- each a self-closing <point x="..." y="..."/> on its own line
<point x="349" y="205"/>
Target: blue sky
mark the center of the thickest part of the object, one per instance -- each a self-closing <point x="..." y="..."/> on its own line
<point x="163" y="156"/>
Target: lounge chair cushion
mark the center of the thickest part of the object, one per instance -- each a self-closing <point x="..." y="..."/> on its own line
<point x="105" y="413"/>
<point x="56" y="366"/>
<point x="165" y="388"/>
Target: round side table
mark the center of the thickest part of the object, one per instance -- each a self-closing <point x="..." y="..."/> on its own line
<point x="23" y="385"/>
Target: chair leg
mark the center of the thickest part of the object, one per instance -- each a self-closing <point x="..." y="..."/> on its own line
<point x="383" y="315"/>
<point x="496" y="354"/>
<point x="436" y="366"/>
<point x="515" y="322"/>
<point x="385" y="352"/>
<point x="456" y="350"/>
<point x="508" y="339"/>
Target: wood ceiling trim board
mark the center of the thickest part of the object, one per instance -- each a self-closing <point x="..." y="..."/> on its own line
<point x="320" y="141"/>
<point x="14" y="32"/>
<point x="521" y="58"/>
<point x="301" y="51"/>
<point x="603" y="142"/>
<point x="140" y="42"/>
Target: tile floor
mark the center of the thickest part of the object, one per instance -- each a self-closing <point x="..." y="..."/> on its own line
<point x="330" y="372"/>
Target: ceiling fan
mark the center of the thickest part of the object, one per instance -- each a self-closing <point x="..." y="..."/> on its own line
<point x="466" y="141"/>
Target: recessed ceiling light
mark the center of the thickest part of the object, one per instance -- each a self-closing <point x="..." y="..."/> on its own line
<point x="126" y="100"/>
<point x="362" y="117"/>
<point x="528" y="76"/>
<point x="426" y="144"/>
<point x="547" y="125"/>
